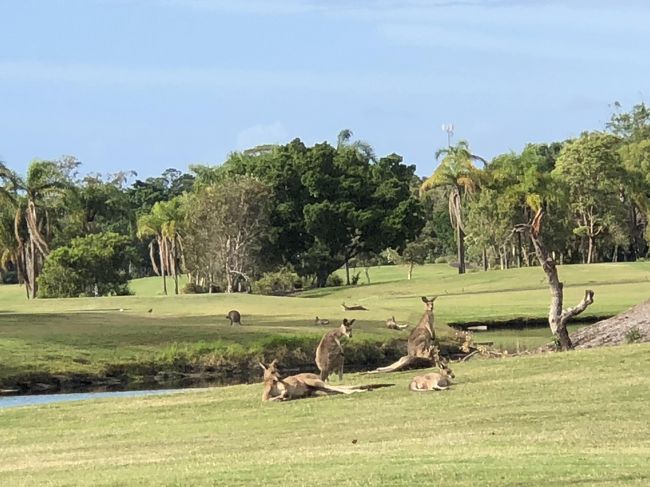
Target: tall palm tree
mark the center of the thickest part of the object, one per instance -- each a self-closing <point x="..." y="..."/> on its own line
<point x="32" y="199"/>
<point x="163" y="225"/>
<point x="459" y="177"/>
<point x="344" y="141"/>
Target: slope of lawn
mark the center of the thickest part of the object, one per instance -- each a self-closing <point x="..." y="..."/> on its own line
<point x="90" y="335"/>
<point x="577" y="418"/>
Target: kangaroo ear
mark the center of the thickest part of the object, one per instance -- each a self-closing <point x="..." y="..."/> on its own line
<point x="274" y="363"/>
<point x="351" y="322"/>
<point x="345" y="321"/>
<point x="261" y="365"/>
<point x="424" y="299"/>
<point x="433" y="298"/>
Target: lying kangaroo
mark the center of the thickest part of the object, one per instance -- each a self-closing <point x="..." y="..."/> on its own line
<point x="354" y="307"/>
<point x="393" y="325"/>
<point x="329" y="354"/>
<point x="302" y="385"/>
<point x="319" y="321"/>
<point x="420" y="341"/>
<point x="234" y="317"/>
<point x="438" y="381"/>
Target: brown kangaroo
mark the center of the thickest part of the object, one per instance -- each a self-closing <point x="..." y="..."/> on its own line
<point x="420" y="341"/>
<point x="302" y="385"/>
<point x="234" y="317"/>
<point x="438" y="381"/>
<point x="393" y="325"/>
<point x="319" y="321"/>
<point x="354" y="307"/>
<point x="329" y="354"/>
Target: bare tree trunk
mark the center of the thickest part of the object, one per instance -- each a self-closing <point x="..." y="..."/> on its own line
<point x="485" y="260"/>
<point x="173" y="260"/>
<point x="460" y="238"/>
<point x="518" y="249"/>
<point x="410" y="272"/>
<point x="590" y="249"/>
<point x="161" y="253"/>
<point x="347" y="273"/>
<point x="557" y="317"/>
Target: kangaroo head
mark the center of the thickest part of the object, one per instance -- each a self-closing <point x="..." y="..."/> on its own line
<point x="271" y="372"/>
<point x="346" y="327"/>
<point x="428" y="303"/>
<point x="444" y="368"/>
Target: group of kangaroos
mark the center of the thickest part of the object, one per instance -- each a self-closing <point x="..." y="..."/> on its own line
<point x="330" y="359"/>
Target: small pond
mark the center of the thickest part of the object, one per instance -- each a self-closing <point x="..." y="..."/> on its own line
<point x="30" y="400"/>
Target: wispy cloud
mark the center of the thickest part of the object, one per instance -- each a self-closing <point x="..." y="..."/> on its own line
<point x="215" y="78"/>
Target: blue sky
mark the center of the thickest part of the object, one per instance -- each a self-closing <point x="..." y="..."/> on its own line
<point x="152" y="84"/>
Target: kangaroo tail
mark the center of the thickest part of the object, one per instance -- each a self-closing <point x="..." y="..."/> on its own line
<point x="372" y="387"/>
<point x="401" y="363"/>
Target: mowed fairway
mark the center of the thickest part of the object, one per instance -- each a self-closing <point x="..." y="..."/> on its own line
<point x="86" y="335"/>
<point x="556" y="419"/>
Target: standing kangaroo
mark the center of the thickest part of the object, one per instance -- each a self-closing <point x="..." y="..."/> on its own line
<point x="301" y="385"/>
<point x="329" y="354"/>
<point x="438" y="381"/>
<point x="420" y="341"/>
<point x="234" y="317"/>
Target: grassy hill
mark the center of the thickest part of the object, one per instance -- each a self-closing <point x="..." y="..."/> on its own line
<point x="553" y="419"/>
<point x="91" y="336"/>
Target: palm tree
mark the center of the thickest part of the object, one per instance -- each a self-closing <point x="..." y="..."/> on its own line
<point x="163" y="225"/>
<point x="343" y="141"/>
<point x="459" y="177"/>
<point x="32" y="199"/>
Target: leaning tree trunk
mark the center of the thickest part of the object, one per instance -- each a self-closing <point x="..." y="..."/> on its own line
<point x="410" y="271"/>
<point x="557" y="317"/>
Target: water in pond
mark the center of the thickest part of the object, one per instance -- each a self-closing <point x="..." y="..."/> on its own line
<point x="15" y="401"/>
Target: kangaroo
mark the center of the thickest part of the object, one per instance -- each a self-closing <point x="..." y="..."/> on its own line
<point x="393" y="325"/>
<point x="302" y="385"/>
<point x="319" y="321"/>
<point x="354" y="307"/>
<point x="438" y="381"/>
<point x="329" y="354"/>
<point x="420" y="341"/>
<point x="234" y="317"/>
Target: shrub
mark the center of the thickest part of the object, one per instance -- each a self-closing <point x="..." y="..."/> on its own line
<point x="355" y="278"/>
<point x="92" y="265"/>
<point x="277" y="283"/>
<point x="192" y="288"/>
<point x="334" y="280"/>
<point x="441" y="260"/>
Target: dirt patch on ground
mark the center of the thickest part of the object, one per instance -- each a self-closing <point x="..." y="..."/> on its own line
<point x="630" y="326"/>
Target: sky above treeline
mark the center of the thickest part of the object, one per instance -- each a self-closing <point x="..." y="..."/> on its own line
<point x="146" y="85"/>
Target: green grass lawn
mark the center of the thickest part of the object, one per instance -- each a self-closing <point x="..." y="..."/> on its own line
<point x="578" y="418"/>
<point x="85" y="335"/>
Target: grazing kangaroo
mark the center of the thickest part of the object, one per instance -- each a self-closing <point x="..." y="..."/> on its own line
<point x="318" y="321"/>
<point x="420" y="341"/>
<point x="302" y="385"/>
<point x="234" y="317"/>
<point x="329" y="354"/>
<point x="354" y="307"/>
<point x="393" y="325"/>
<point x="438" y="381"/>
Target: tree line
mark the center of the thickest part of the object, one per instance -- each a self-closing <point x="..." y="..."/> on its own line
<point x="276" y="218"/>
